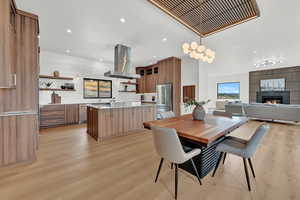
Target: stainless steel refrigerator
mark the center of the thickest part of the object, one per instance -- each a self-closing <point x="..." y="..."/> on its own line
<point x="164" y="100"/>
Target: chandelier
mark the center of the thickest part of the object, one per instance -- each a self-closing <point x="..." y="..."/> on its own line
<point x="199" y="52"/>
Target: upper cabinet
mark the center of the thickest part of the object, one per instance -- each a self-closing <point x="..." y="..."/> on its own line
<point x="149" y="77"/>
<point x="19" y="60"/>
<point x="7" y="47"/>
<point x="164" y="71"/>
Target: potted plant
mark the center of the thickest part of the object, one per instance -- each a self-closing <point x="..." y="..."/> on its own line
<point x="198" y="112"/>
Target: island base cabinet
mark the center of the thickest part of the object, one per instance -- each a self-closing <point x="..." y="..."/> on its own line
<point x="133" y="119"/>
<point x="18" y="139"/>
<point x="106" y="123"/>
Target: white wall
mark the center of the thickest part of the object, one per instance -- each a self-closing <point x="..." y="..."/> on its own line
<point x="78" y="68"/>
<point x="189" y="76"/>
<point x="240" y="47"/>
<point x="189" y="73"/>
<point x="214" y="80"/>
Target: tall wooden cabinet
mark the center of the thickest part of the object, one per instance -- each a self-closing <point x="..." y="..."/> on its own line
<point x="164" y="71"/>
<point x="7" y="39"/>
<point x="18" y="139"/>
<point x="19" y="69"/>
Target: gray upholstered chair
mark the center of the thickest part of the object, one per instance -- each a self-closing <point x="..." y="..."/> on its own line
<point x="168" y="147"/>
<point x="236" y="109"/>
<point x="242" y="148"/>
<point x="222" y="113"/>
<point x="166" y="115"/>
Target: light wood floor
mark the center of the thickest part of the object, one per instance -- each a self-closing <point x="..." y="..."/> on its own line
<point x="73" y="166"/>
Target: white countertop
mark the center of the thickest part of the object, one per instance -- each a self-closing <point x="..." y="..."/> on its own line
<point x="120" y="105"/>
<point x="17" y="113"/>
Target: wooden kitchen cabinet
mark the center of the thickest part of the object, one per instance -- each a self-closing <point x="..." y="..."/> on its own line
<point x="107" y="123"/>
<point x="58" y="115"/>
<point x="19" y="71"/>
<point x="163" y="72"/>
<point x="18" y="139"/>
<point x="141" y="82"/>
<point x="24" y="48"/>
<point x="72" y="113"/>
<point x="148" y="81"/>
<point x="52" y="115"/>
<point x="151" y="83"/>
<point x="7" y="35"/>
<point x="82" y="113"/>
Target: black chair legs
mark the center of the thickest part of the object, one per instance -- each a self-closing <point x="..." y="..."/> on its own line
<point x="176" y="180"/>
<point x="245" y="167"/>
<point x="159" y="168"/>
<point x="217" y="165"/>
<point x="225" y="154"/>
<point x="196" y="171"/>
<point x="251" y="166"/>
<point x="247" y="174"/>
<point x="176" y="173"/>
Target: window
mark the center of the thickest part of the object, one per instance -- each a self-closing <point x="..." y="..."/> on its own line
<point x="97" y="88"/>
<point x="229" y="90"/>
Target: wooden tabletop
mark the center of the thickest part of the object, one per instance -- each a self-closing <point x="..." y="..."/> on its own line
<point x="207" y="131"/>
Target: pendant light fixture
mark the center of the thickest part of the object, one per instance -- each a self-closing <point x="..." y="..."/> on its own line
<point x="199" y="51"/>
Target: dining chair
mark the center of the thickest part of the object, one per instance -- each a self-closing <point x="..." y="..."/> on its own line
<point x="168" y="147"/>
<point x="166" y="115"/>
<point x="222" y="113"/>
<point x="242" y="148"/>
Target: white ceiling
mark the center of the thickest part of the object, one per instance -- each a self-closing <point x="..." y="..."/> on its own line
<point x="96" y="28"/>
<point x="275" y="34"/>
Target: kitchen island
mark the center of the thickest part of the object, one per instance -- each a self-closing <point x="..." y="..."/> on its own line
<point x="107" y="121"/>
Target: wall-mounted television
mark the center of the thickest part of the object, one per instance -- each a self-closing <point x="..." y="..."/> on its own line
<point x="272" y="84"/>
<point x="229" y="90"/>
<point x="97" y="88"/>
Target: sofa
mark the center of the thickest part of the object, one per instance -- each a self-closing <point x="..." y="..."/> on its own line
<point x="235" y="109"/>
<point x="273" y="112"/>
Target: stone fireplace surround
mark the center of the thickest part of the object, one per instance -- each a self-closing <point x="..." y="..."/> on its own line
<point x="279" y="97"/>
<point x="290" y="96"/>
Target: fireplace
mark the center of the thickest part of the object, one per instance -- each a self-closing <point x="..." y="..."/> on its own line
<point x="273" y="97"/>
<point x="272" y="100"/>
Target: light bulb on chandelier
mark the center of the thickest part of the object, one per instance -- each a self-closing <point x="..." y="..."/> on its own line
<point x="199" y="52"/>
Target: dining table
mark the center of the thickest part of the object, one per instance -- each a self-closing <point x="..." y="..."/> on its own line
<point x="205" y="135"/>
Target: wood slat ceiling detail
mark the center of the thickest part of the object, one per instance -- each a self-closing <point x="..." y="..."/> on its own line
<point x="206" y="17"/>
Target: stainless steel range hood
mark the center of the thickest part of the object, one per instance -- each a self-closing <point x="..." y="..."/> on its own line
<point x="123" y="67"/>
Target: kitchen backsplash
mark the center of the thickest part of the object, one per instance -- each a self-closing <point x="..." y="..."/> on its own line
<point x="79" y="68"/>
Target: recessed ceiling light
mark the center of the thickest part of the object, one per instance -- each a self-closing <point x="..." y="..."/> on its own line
<point x="164" y="39"/>
<point x="254" y="52"/>
<point x="123" y="20"/>
<point x="68" y="51"/>
<point x="69" y="31"/>
<point x="101" y="59"/>
<point x="154" y="56"/>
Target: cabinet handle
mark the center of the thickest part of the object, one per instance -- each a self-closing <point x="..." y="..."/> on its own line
<point x="14" y="79"/>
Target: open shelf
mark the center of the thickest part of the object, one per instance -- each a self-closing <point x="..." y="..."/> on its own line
<point x="126" y="91"/>
<point x="56" y="89"/>
<point x="59" y="78"/>
<point x="128" y="83"/>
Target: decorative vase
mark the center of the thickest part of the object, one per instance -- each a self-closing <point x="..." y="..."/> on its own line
<point x="199" y="113"/>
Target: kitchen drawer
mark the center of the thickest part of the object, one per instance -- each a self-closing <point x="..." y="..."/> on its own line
<point x="52" y="114"/>
<point x="53" y="108"/>
<point x="52" y="122"/>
